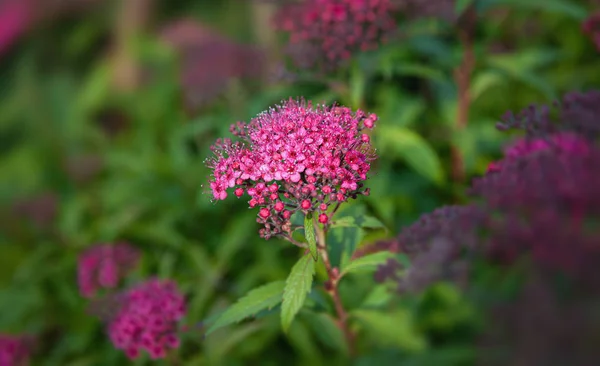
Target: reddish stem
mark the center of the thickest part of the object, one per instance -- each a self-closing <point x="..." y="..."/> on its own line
<point x="462" y="79"/>
<point x="332" y="288"/>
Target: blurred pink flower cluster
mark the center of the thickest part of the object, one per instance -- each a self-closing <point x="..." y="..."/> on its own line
<point x="104" y="265"/>
<point x="18" y="16"/>
<point x="295" y="157"/>
<point x="147" y="319"/>
<point x="14" y="350"/>
<point x="209" y="60"/>
<point x="323" y="33"/>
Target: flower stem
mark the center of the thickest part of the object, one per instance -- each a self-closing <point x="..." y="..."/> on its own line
<point x="332" y="288"/>
<point x="462" y="79"/>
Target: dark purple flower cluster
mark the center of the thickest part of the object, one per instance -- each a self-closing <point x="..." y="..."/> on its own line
<point x="324" y="33"/>
<point x="209" y="61"/>
<point x="577" y="112"/>
<point x="295" y="157"/>
<point x="540" y="205"/>
<point x="437" y="244"/>
<point x="104" y="265"/>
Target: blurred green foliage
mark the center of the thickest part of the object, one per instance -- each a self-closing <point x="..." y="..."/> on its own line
<point x="146" y="183"/>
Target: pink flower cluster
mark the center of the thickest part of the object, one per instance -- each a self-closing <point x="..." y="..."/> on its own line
<point x="294" y="157"/>
<point x="325" y="32"/>
<point x="147" y="319"/>
<point x="104" y="265"/>
<point x="14" y="350"/>
<point x="564" y="142"/>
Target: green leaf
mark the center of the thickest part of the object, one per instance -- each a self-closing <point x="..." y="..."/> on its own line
<point x="358" y="82"/>
<point x="309" y="233"/>
<point x="395" y="328"/>
<point x="367" y="263"/>
<point x="297" y="286"/>
<point x="326" y="330"/>
<point x="411" y="147"/>
<point x="258" y="299"/>
<point x="564" y="7"/>
<point x="367" y="222"/>
<point x="461" y="5"/>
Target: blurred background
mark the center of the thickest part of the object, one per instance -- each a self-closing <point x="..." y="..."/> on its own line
<point x="108" y="110"/>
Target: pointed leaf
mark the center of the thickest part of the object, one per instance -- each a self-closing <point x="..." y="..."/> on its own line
<point x="414" y="149"/>
<point x="297" y="286"/>
<point x="368" y="262"/>
<point x="395" y="328"/>
<point x="258" y="299"/>
<point x="309" y="233"/>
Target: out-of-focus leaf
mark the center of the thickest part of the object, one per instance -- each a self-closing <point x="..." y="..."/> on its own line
<point x="461" y="5"/>
<point x="563" y="7"/>
<point x="411" y="147"/>
<point x="379" y="296"/>
<point x="524" y="66"/>
<point x="367" y="222"/>
<point x="309" y="234"/>
<point x="326" y="330"/>
<point x="367" y="263"/>
<point x="358" y="82"/>
<point x="263" y="297"/>
<point x="484" y="81"/>
<point x="394" y="328"/>
<point x="297" y="286"/>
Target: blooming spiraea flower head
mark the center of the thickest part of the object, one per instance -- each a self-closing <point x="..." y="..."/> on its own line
<point x="295" y="157"/>
<point x="324" y="33"/>
<point x="104" y="265"/>
<point x="147" y="319"/>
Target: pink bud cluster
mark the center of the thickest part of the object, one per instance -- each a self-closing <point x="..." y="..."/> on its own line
<point x="14" y="350"/>
<point x="104" y="265"/>
<point x="325" y="32"/>
<point x="147" y="319"/>
<point x="295" y="157"/>
<point x="567" y="142"/>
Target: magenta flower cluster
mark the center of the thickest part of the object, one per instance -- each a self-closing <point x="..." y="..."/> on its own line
<point x="325" y="32"/>
<point x="295" y="157"/>
<point x="148" y="319"/>
<point x="103" y="266"/>
<point x="567" y="142"/>
<point x="14" y="350"/>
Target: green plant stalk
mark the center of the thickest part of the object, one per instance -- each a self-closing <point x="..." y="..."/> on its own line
<point x="331" y="286"/>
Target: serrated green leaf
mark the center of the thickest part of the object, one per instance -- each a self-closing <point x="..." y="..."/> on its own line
<point x="309" y="234"/>
<point x="297" y="286"/>
<point x="395" y="328"/>
<point x="415" y="150"/>
<point x="367" y="263"/>
<point x="258" y="299"/>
